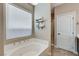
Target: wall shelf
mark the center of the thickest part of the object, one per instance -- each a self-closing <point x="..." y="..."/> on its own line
<point x="40" y="23"/>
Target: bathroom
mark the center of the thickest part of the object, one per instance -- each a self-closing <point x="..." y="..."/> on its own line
<point x="35" y="29"/>
<point x="24" y="27"/>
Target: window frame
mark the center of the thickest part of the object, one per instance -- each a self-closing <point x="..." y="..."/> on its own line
<point x="19" y="5"/>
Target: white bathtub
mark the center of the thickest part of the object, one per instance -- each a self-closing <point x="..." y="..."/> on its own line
<point x="31" y="47"/>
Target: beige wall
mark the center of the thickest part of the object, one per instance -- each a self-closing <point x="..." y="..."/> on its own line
<point x="1" y="31"/>
<point x="43" y="10"/>
<point x="66" y="8"/>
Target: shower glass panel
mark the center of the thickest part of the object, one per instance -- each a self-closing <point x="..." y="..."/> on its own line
<point x="18" y="22"/>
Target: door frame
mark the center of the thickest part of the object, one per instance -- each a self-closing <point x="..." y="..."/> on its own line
<point x="55" y="29"/>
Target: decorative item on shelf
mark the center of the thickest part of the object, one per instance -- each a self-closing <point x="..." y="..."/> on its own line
<point x="40" y="23"/>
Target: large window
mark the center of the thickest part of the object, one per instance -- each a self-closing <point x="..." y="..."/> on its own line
<point x="18" y="22"/>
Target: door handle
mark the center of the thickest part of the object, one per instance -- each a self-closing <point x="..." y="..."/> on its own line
<point x="72" y="32"/>
<point x="59" y="33"/>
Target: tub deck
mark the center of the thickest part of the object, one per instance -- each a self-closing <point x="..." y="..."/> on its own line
<point x="31" y="47"/>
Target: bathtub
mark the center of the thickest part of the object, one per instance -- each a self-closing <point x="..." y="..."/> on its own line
<point x="31" y="47"/>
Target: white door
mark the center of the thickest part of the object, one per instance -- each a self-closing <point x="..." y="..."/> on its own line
<point x="66" y="31"/>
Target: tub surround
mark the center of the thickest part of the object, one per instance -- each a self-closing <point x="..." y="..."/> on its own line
<point x="31" y="47"/>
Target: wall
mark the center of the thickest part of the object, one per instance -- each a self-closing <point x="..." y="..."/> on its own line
<point x="43" y="10"/>
<point x="1" y="31"/>
<point x="68" y="7"/>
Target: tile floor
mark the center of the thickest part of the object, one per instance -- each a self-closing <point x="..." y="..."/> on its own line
<point x="61" y="52"/>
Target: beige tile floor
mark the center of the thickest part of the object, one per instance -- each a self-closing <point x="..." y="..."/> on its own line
<point x="61" y="52"/>
<point x="57" y="52"/>
<point x="47" y="52"/>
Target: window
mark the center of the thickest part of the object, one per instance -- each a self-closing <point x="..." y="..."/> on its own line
<point x="18" y="22"/>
